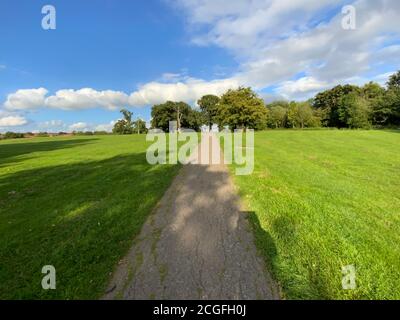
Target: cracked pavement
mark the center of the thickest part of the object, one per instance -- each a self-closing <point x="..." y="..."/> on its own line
<point x="197" y="243"/>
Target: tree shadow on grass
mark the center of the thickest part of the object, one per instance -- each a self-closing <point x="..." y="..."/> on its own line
<point x="304" y="283"/>
<point x="9" y="152"/>
<point x="81" y="218"/>
<point x="264" y="242"/>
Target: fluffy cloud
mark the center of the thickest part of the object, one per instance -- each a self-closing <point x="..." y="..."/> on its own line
<point x="24" y="99"/>
<point x="86" y="98"/>
<point x="301" y="88"/>
<point x="151" y="93"/>
<point x="275" y="40"/>
<point x="79" y="126"/>
<point x="12" y="121"/>
<point x="66" y="99"/>
<point x="190" y="90"/>
<point x="84" y="126"/>
<point x="105" y="127"/>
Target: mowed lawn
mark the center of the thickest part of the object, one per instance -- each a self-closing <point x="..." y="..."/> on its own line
<point x="75" y="203"/>
<point x="323" y="200"/>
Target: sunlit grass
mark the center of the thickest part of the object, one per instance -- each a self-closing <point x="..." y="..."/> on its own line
<point x="75" y="203"/>
<point x="326" y="199"/>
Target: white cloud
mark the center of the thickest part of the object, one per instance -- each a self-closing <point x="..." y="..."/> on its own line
<point x="51" y="123"/>
<point x="87" y="98"/>
<point x="52" y="126"/>
<point x="189" y="91"/>
<point x="79" y="126"/>
<point x="301" y="88"/>
<point x="275" y="40"/>
<point x="12" y="121"/>
<point x="66" y="99"/>
<point x="105" y="127"/>
<point x="151" y="93"/>
<point x="24" y="99"/>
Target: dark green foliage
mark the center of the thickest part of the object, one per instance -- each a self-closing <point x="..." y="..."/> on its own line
<point x="355" y="111"/>
<point x="75" y="133"/>
<point x="195" y="119"/>
<point x="180" y="112"/>
<point x="242" y="109"/>
<point x="394" y="81"/>
<point x="301" y="115"/>
<point x="277" y="115"/>
<point x="124" y="126"/>
<point x="209" y="106"/>
<point x="329" y="100"/>
<point x="12" y="135"/>
<point x="139" y="126"/>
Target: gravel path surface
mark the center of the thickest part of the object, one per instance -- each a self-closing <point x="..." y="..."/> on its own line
<point x="196" y="245"/>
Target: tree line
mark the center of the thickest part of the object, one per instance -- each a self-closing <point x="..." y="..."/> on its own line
<point x="344" y="106"/>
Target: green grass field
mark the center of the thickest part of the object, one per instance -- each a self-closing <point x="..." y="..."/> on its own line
<point x="321" y="200"/>
<point x="326" y="199"/>
<point x="75" y="203"/>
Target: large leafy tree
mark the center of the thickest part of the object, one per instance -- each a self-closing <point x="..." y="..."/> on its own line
<point x="355" y="111"/>
<point x="180" y="112"/>
<point x="300" y="115"/>
<point x="277" y="114"/>
<point x="125" y="125"/>
<point x="394" y="81"/>
<point x="209" y="107"/>
<point x="139" y="126"/>
<point x="328" y="103"/>
<point x="242" y="109"/>
<point x="392" y="98"/>
<point x="375" y="96"/>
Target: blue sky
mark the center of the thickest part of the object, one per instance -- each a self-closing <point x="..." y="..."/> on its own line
<point x="108" y="54"/>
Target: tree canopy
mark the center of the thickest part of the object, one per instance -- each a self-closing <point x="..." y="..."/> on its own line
<point x="343" y="106"/>
<point x="125" y="125"/>
<point x="242" y="109"/>
<point x="180" y="112"/>
<point x="209" y="107"/>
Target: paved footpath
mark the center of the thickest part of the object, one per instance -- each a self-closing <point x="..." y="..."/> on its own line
<point x="196" y="245"/>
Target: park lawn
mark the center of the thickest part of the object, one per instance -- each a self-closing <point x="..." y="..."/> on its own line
<point x="75" y="203"/>
<point x="322" y="200"/>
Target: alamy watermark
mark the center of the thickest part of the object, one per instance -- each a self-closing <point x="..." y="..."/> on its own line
<point x="49" y="20"/>
<point x="349" y="19"/>
<point x="189" y="147"/>
<point x="349" y="277"/>
<point x="49" y="280"/>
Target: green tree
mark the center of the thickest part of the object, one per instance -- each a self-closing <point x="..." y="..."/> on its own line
<point x="392" y="104"/>
<point x="125" y="125"/>
<point x="242" y="109"/>
<point x="277" y="114"/>
<point x="209" y="107"/>
<point x="328" y="104"/>
<point x="195" y="119"/>
<point x="300" y="115"/>
<point x="375" y="95"/>
<point x="394" y="81"/>
<point x="181" y="112"/>
<point x="139" y="126"/>
<point x="355" y="111"/>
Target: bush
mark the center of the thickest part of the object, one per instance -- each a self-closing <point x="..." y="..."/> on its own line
<point x="82" y="133"/>
<point x="13" y="135"/>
